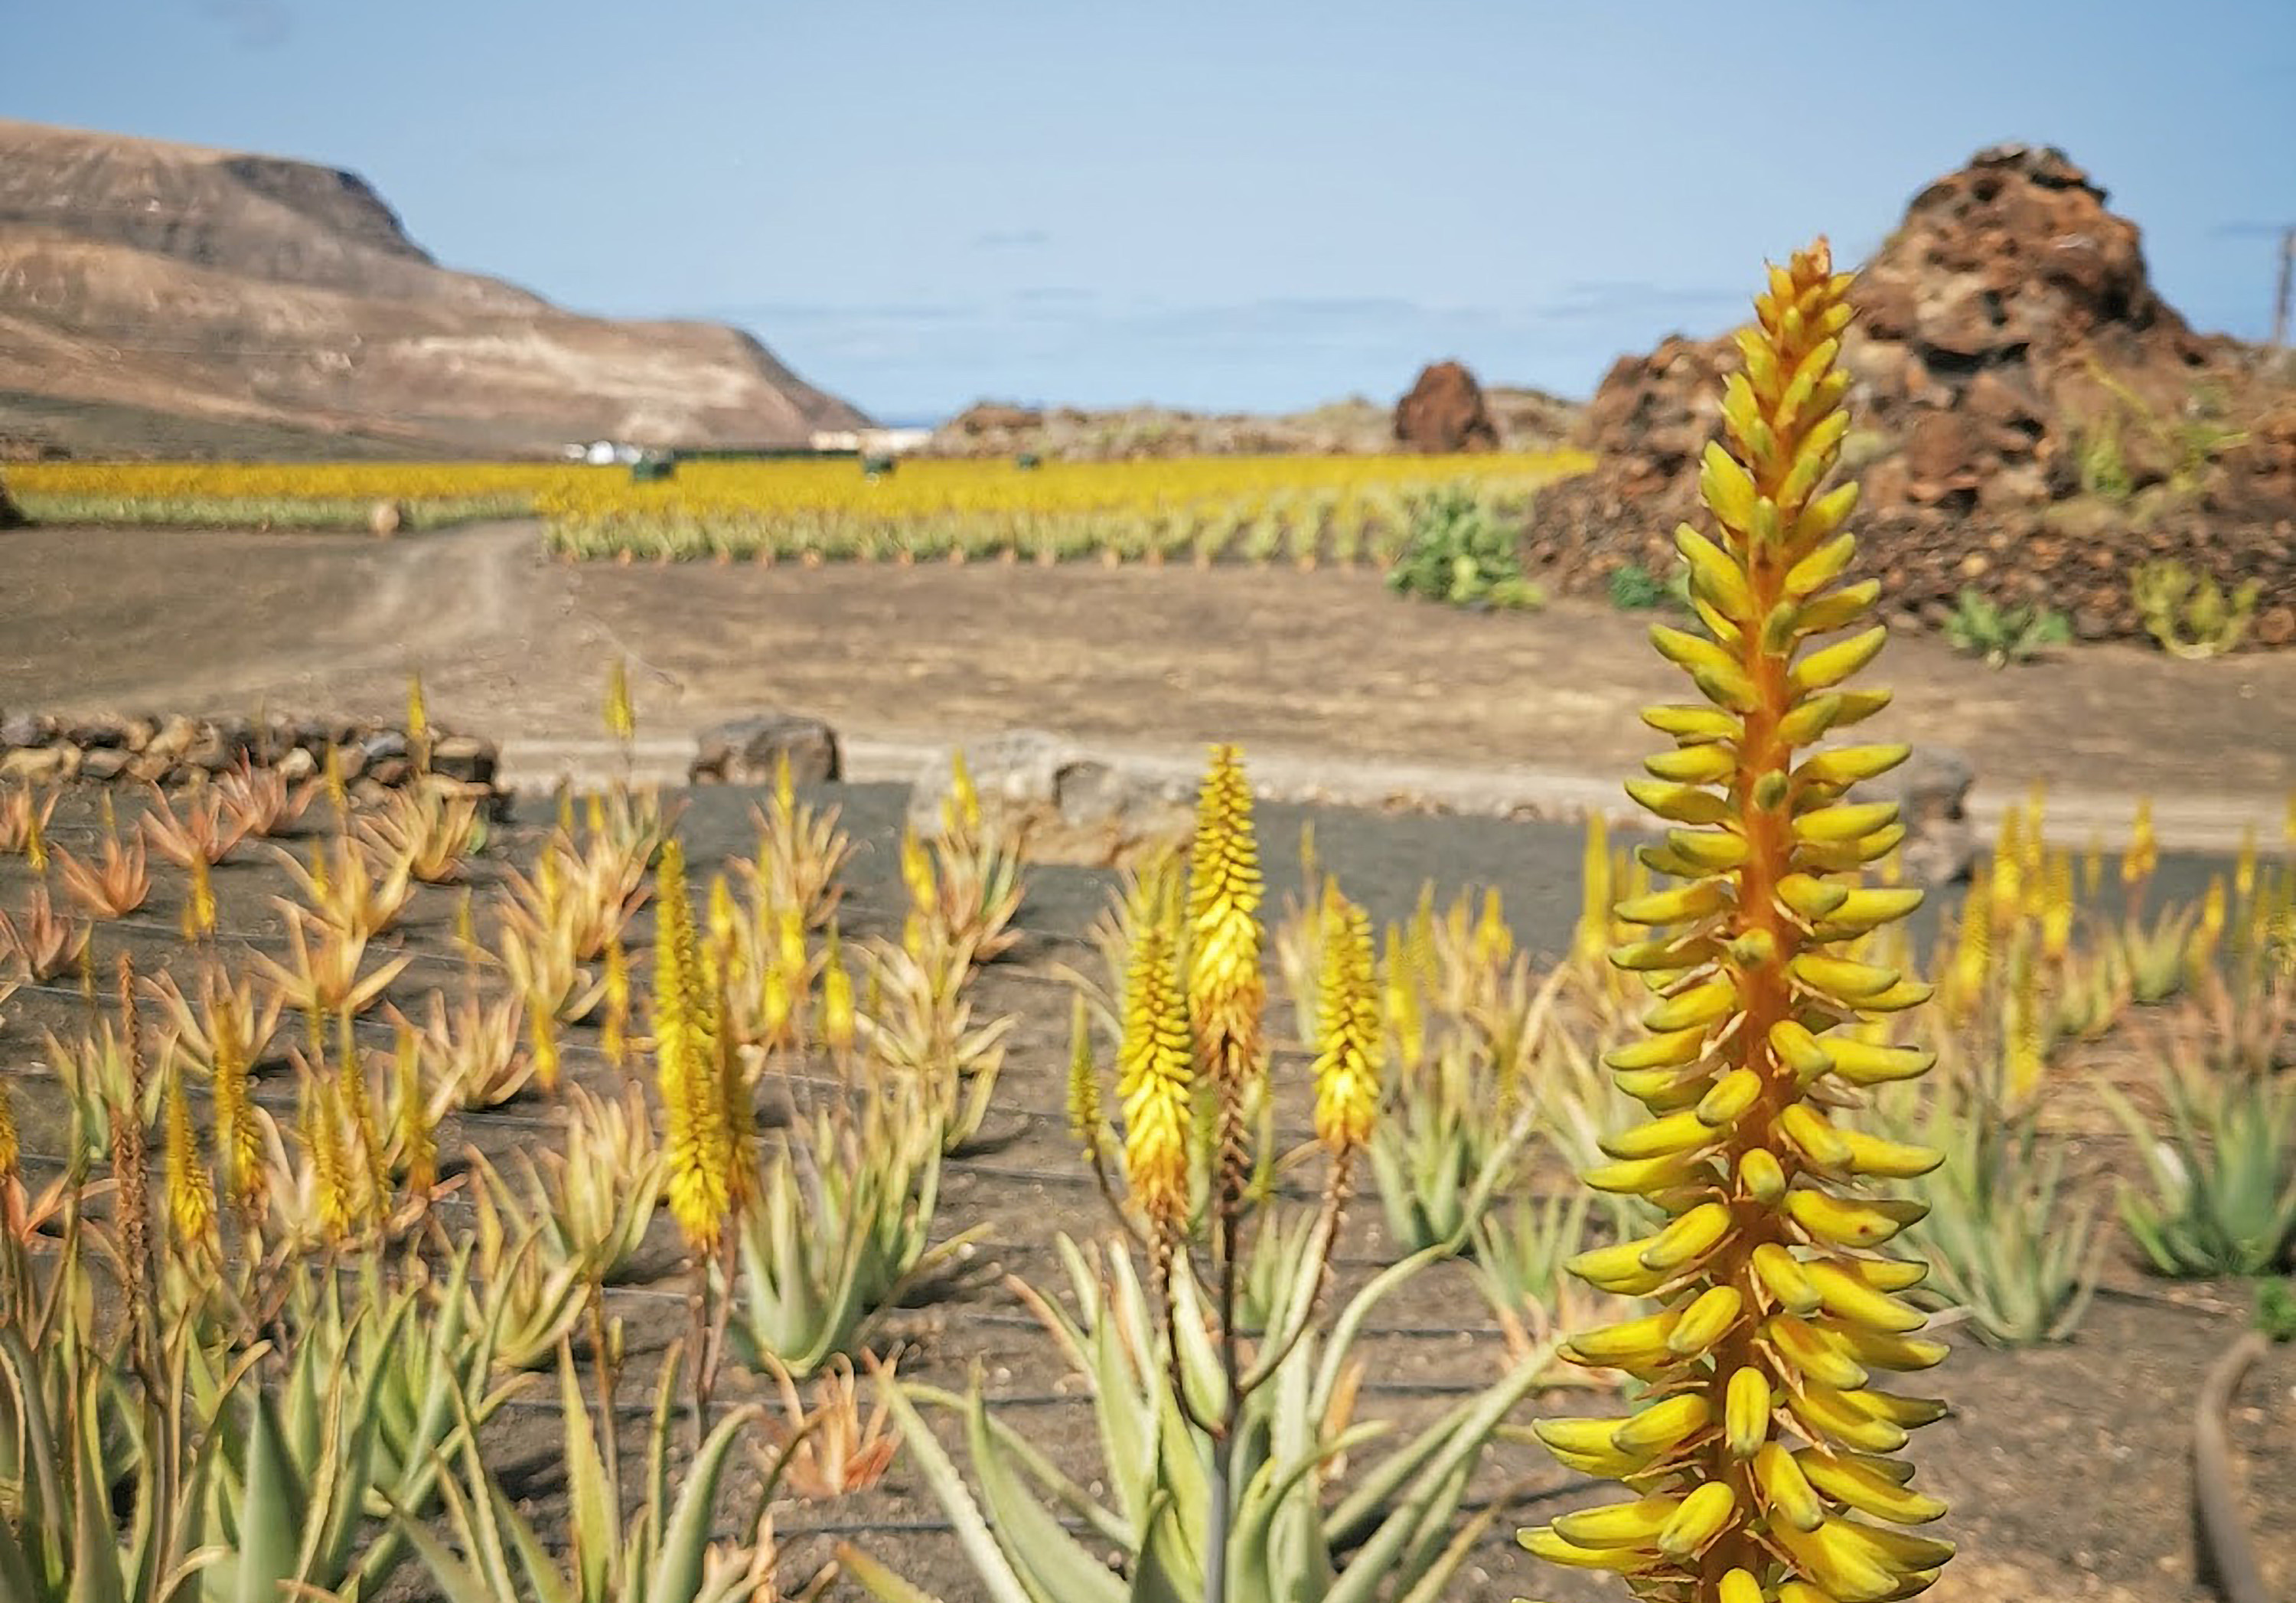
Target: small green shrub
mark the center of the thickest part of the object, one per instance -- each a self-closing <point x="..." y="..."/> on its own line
<point x="2188" y="612"/>
<point x="1457" y="551"/>
<point x="2275" y="1310"/>
<point x="2103" y="470"/>
<point x="1634" y="589"/>
<point x="2003" y="635"/>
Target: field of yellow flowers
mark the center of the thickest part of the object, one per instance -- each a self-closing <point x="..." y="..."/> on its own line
<point x="280" y="495"/>
<point x="1259" y="508"/>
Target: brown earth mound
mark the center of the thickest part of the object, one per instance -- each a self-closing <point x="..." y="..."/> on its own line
<point x="210" y="296"/>
<point x="2032" y="420"/>
<point x="1444" y="413"/>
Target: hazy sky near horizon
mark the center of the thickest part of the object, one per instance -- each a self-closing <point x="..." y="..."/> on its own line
<point x="1233" y="203"/>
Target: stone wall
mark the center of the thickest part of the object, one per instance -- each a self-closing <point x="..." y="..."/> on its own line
<point x="174" y="750"/>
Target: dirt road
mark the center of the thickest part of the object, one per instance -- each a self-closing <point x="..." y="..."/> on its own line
<point x="1322" y="675"/>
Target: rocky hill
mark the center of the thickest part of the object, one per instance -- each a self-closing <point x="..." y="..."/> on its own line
<point x="163" y="298"/>
<point x="2030" y="418"/>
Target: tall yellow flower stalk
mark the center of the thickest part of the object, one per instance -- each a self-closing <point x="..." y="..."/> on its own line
<point x="1227" y="991"/>
<point x="1592" y="937"/>
<point x="12" y="1150"/>
<point x="621" y="714"/>
<point x="1156" y="1081"/>
<point x="697" y="1141"/>
<point x="191" y="1195"/>
<point x="614" y="1032"/>
<point x="1759" y="1459"/>
<point x="238" y="1134"/>
<point x="417" y="1136"/>
<point x="1348" y="1061"/>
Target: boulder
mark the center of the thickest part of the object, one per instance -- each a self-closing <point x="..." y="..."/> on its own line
<point x="26" y="729"/>
<point x="466" y="758"/>
<point x="103" y="764"/>
<point x="746" y="750"/>
<point x="1060" y="804"/>
<point x="176" y="735"/>
<point x="219" y="748"/>
<point x="39" y="764"/>
<point x="1932" y="791"/>
<point x="1444" y="413"/>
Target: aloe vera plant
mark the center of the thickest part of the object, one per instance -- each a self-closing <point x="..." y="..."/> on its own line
<point x="373" y="1394"/>
<point x="2007" y="1243"/>
<point x="2219" y="1191"/>
<point x="1389" y="1535"/>
<point x="663" y="1554"/>
<point x="1220" y="1449"/>
<point x="838" y="1224"/>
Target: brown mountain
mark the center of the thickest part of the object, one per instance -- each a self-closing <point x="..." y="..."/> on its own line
<point x="162" y="298"/>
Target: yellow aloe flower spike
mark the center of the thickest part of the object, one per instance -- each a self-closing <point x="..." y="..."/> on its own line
<point x="323" y="1139"/>
<point x="1401" y="1002"/>
<point x="1086" y="1123"/>
<point x="2008" y="873"/>
<point x="614" y="1032"/>
<point x="2057" y="908"/>
<point x="1156" y="1083"/>
<point x="238" y="1135"/>
<point x="191" y="1195"/>
<point x="1762" y="1261"/>
<point x="695" y="1142"/>
<point x="2143" y="853"/>
<point x="2029" y="1040"/>
<point x="1972" y="959"/>
<point x="372" y="1188"/>
<point x="11" y="1152"/>
<point x="2208" y="934"/>
<point x="418" y="709"/>
<point x="1346" y="1069"/>
<point x="621" y="717"/>
<point x="839" y="1023"/>
<point x="1225" y="987"/>
<point x="1592" y="938"/>
<point x="418" y="1138"/>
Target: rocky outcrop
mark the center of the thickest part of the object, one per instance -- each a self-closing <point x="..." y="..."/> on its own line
<point x="1058" y="803"/>
<point x="2030" y="418"/>
<point x="1444" y="412"/>
<point x="188" y="298"/>
<point x="10" y="516"/>
<point x="750" y="750"/>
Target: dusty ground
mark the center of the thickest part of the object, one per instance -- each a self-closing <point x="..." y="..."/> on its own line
<point x="2065" y="1466"/>
<point x="1323" y="668"/>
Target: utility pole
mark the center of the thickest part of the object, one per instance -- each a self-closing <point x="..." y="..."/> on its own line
<point x="2287" y="283"/>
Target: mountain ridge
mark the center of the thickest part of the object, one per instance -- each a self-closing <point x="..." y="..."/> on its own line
<point x="233" y="291"/>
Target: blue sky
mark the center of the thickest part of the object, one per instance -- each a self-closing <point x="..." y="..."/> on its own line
<point x="1238" y="203"/>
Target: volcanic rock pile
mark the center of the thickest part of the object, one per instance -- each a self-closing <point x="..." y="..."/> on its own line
<point x="2031" y="418"/>
<point x="1444" y="413"/>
